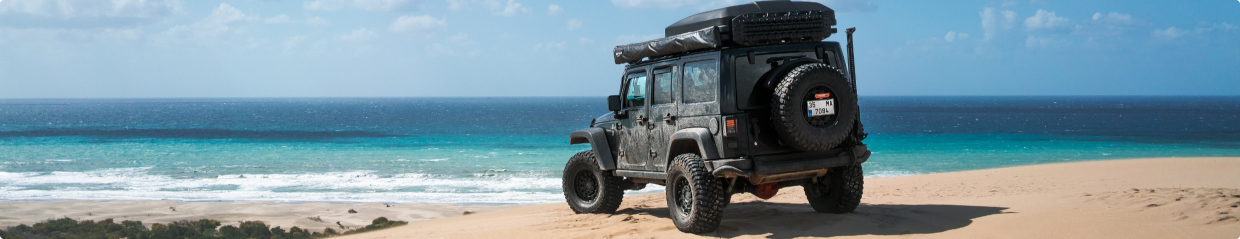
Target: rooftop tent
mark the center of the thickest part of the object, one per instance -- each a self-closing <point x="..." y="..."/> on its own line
<point x="788" y="10"/>
<point x="751" y="24"/>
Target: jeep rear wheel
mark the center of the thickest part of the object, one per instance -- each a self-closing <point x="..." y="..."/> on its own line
<point x="837" y="192"/>
<point x="694" y="196"/>
<point x="589" y="189"/>
<point x="819" y="128"/>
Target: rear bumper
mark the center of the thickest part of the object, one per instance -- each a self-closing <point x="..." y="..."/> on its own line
<point x="782" y="167"/>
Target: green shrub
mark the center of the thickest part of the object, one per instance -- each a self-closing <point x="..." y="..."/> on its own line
<point x="201" y="229"/>
<point x="378" y="223"/>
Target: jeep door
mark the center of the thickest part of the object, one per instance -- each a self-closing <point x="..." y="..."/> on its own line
<point x="662" y="116"/>
<point x="634" y="135"/>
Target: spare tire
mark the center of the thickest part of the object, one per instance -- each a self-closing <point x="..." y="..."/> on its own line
<point x="813" y="108"/>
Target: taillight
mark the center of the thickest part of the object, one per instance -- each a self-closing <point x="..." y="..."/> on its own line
<point x="729" y="126"/>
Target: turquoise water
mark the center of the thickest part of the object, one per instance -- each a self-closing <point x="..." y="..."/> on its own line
<point x="905" y="154"/>
<point x="511" y="150"/>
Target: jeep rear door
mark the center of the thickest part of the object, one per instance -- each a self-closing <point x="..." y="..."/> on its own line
<point x="662" y="115"/>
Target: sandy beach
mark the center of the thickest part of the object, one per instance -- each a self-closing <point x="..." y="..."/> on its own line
<point x="313" y="216"/>
<point x="1138" y="198"/>
<point x="1141" y="198"/>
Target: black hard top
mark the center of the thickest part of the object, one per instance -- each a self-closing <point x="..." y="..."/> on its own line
<point x="723" y="16"/>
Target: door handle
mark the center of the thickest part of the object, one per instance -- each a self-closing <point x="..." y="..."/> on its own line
<point x="641" y="119"/>
<point x="668" y="118"/>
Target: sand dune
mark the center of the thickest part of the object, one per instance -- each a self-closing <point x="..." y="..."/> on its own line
<point x="1145" y="198"/>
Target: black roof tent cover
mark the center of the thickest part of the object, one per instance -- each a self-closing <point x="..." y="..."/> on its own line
<point x="751" y="24"/>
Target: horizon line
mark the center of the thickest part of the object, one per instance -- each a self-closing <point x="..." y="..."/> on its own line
<point x="566" y="96"/>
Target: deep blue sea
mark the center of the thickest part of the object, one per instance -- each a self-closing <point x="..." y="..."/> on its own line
<point x="511" y="150"/>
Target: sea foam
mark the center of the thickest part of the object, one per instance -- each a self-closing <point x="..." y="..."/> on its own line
<point x="361" y="186"/>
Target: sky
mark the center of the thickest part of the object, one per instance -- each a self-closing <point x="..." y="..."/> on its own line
<point x="447" y="48"/>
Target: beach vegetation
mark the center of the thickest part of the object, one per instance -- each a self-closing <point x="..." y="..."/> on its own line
<point x="378" y="223"/>
<point x="69" y="228"/>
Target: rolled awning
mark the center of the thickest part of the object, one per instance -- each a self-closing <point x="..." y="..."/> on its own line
<point x="706" y="38"/>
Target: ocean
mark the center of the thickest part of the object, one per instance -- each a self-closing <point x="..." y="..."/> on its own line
<point x="511" y="150"/>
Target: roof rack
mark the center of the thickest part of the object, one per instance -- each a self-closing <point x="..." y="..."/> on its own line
<point x="753" y="24"/>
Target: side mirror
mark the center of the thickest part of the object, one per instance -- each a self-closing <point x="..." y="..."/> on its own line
<point x="613" y="103"/>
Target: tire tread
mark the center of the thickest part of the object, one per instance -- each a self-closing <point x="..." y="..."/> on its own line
<point x="708" y="195"/>
<point x="611" y="192"/>
<point x="787" y="122"/>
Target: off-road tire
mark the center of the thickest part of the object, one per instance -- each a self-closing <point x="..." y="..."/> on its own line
<point x="694" y="196"/>
<point x="608" y="190"/>
<point x="837" y="192"/>
<point x="788" y="108"/>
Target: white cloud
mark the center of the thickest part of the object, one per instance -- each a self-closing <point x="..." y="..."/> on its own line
<point x="224" y="20"/>
<point x="92" y="8"/>
<point x="1227" y="27"/>
<point x="1043" y="20"/>
<point x="952" y="36"/>
<point x="574" y="24"/>
<point x="1203" y="30"/>
<point x="324" y="5"/>
<point x="254" y="43"/>
<point x="460" y="39"/>
<point x="1105" y="25"/>
<point x="418" y="24"/>
<point x="554" y="10"/>
<point x="1113" y="18"/>
<point x="445" y="50"/>
<point x="584" y="40"/>
<point x="85" y="13"/>
<point x="317" y="21"/>
<point x="281" y="19"/>
<point x="225" y="14"/>
<point x="551" y="46"/>
<point x="369" y="5"/>
<point x="695" y="4"/>
<point x="837" y="5"/>
<point x="293" y="42"/>
<point x="1036" y="42"/>
<point x="385" y="5"/>
<point x="359" y="35"/>
<point x="455" y="5"/>
<point x="994" y="20"/>
<point x="512" y="8"/>
<point x="507" y="9"/>
<point x="1169" y="33"/>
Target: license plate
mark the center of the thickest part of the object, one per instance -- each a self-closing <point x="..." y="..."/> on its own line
<point x="821" y="107"/>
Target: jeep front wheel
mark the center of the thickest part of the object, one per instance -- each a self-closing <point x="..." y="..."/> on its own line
<point x="813" y="108"/>
<point x="694" y="196"/>
<point x="837" y="192"/>
<point x="589" y="189"/>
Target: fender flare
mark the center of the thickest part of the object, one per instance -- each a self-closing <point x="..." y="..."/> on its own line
<point x="693" y="139"/>
<point x="597" y="138"/>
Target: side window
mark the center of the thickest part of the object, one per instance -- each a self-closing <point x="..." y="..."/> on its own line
<point x="701" y="81"/>
<point x="635" y="93"/>
<point x="662" y="93"/>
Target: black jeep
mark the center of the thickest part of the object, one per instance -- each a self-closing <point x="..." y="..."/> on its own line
<point x="747" y="98"/>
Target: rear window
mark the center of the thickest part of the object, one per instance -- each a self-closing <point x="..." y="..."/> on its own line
<point x="701" y="81"/>
<point x="662" y="93"/>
